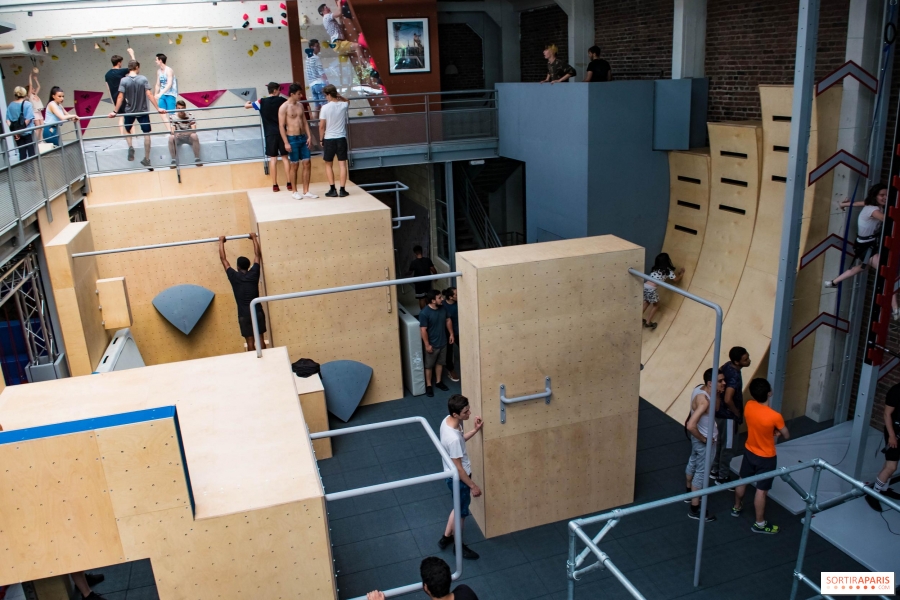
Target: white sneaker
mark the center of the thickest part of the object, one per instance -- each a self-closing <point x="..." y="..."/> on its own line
<point x="829" y="284"/>
<point x="309" y="195"/>
<point x="296" y="195"/>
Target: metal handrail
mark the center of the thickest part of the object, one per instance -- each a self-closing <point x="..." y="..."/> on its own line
<point x="450" y="471"/>
<point x="810" y="498"/>
<point x="390" y="186"/>
<point x="344" y="288"/>
<point x="476" y="216"/>
<point x="155" y="246"/>
<point x="547" y="393"/>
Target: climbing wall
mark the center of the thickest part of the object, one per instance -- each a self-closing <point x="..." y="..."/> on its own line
<point x="172" y="464"/>
<point x="326" y="243"/>
<point x="567" y="310"/>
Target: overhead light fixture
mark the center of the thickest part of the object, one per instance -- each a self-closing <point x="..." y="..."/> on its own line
<point x="234" y="36"/>
<point x="170" y="39"/>
<point x="74" y="45"/>
<point x="96" y="46"/>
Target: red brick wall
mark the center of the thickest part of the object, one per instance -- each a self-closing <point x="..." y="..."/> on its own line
<point x="753" y="42"/>
<point x="537" y="28"/>
<point x="635" y="35"/>
<point x="462" y="48"/>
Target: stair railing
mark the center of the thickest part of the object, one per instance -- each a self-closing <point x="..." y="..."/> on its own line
<point x="474" y="213"/>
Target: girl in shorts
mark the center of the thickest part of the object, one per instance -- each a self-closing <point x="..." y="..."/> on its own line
<point x="663" y="270"/>
<point x="869" y="223"/>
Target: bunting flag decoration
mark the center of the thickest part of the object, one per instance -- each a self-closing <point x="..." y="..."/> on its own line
<point x="285" y="89"/>
<point x="107" y="100"/>
<point x="202" y="99"/>
<point x="86" y="105"/>
<point x="245" y="94"/>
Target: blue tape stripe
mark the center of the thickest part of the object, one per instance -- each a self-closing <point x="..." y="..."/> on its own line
<point x="187" y="474"/>
<point x="44" y="431"/>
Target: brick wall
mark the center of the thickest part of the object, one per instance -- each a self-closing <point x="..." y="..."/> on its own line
<point x="635" y="35"/>
<point x="462" y="48"/>
<point x="753" y="42"/>
<point x="537" y="28"/>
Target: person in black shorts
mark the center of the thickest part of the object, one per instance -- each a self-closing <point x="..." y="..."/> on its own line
<point x="436" y="580"/>
<point x="421" y="267"/>
<point x="597" y="69"/>
<point x="333" y="120"/>
<point x="268" y="112"/>
<point x="890" y="450"/>
<point x="133" y="99"/>
<point x="245" y="284"/>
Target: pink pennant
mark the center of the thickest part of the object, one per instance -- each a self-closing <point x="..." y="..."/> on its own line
<point x="202" y="99"/>
<point x="285" y="89"/>
<point x="86" y="105"/>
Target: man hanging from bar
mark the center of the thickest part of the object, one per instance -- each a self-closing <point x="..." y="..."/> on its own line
<point x="245" y="284"/>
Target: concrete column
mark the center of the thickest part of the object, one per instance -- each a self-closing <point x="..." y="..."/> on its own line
<point x="864" y="32"/>
<point x="689" y="39"/>
<point x="509" y="31"/>
<point x="581" y="32"/>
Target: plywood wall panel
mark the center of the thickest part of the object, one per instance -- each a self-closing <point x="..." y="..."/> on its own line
<point x="550" y="310"/>
<point x="45" y="527"/>
<point x="326" y="243"/>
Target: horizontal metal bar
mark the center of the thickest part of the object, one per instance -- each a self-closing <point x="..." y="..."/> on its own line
<point x="547" y="393"/>
<point x="860" y="485"/>
<point x="391" y="485"/>
<point x="639" y="508"/>
<point x="604" y="559"/>
<point x="155" y="246"/>
<point x="408" y="218"/>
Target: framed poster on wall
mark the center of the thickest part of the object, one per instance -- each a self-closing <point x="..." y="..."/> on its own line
<point x="410" y="50"/>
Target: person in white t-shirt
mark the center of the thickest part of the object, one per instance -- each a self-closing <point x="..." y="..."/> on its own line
<point x="333" y="119"/>
<point x="697" y="425"/>
<point x="868" y="234"/>
<point x="453" y="439"/>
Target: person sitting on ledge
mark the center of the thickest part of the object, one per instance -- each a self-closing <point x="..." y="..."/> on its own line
<point x="557" y="70"/>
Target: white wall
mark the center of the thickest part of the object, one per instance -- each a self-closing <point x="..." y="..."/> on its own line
<point x="220" y="64"/>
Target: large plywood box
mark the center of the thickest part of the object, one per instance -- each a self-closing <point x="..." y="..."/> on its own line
<point x="571" y="311"/>
<point x="331" y="242"/>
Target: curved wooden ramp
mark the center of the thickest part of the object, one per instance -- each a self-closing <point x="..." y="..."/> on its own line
<point x="750" y="310"/>
<point x="685" y="230"/>
<point x="734" y="189"/>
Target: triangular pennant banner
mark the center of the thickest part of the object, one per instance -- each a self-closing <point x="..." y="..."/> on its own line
<point x="86" y="105"/>
<point x="202" y="99"/>
<point x="245" y="94"/>
<point x="107" y="100"/>
<point x="285" y="89"/>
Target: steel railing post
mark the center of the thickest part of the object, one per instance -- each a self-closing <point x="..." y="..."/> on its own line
<point x="807" y="520"/>
<point x="80" y="138"/>
<point x="570" y="566"/>
<point x="40" y="173"/>
<point x="20" y="229"/>
<point x="427" y="130"/>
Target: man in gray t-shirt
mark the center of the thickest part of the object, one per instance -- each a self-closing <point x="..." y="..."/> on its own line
<point x="135" y="94"/>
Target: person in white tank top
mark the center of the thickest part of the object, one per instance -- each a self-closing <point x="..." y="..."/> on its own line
<point x="869" y="223"/>
<point x="698" y="428"/>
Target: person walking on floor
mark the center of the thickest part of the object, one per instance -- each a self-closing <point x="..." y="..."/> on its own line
<point x="663" y="270"/>
<point x="113" y="78"/>
<point x="268" y="108"/>
<point x="890" y="450"/>
<point x="245" y="285"/>
<point x="166" y="88"/>
<point x="764" y="426"/>
<point x="452" y="308"/>
<point x="868" y="232"/>
<point x="20" y="116"/>
<point x="135" y="95"/>
<point x="598" y="70"/>
<point x="557" y="70"/>
<point x="333" y="119"/>
<point x="421" y="267"/>
<point x="729" y="414"/>
<point x="315" y="78"/>
<point x="697" y="425"/>
<point x="436" y="329"/>
<point x="34" y="91"/>
<point x="297" y="139"/>
<point x="453" y="439"/>
<point x="436" y="580"/>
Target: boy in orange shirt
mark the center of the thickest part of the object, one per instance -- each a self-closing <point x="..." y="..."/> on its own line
<point x="764" y="425"/>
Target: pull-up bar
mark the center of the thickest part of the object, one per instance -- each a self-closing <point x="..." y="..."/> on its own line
<point x="345" y="288"/>
<point x="155" y="246"/>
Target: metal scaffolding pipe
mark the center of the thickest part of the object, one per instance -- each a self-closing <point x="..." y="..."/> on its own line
<point x="335" y="290"/>
<point x="155" y="246"/>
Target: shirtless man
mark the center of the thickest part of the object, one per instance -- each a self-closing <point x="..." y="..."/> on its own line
<point x="294" y="129"/>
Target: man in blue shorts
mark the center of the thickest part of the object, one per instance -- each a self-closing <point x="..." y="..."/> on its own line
<point x="294" y="130"/>
<point x="454" y="439"/>
<point x="135" y="95"/>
